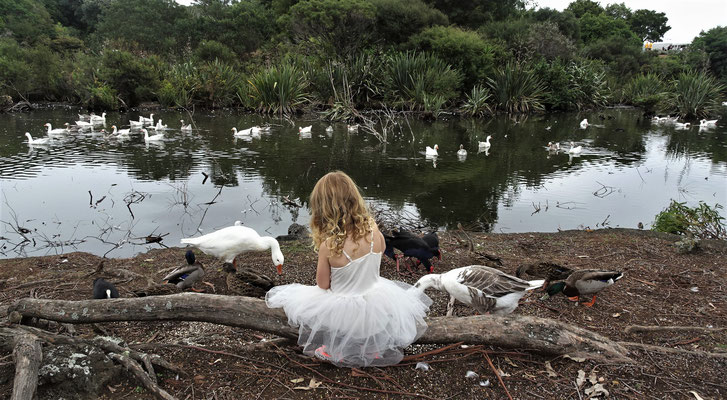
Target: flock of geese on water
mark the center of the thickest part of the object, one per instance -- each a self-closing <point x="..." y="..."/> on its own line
<point x="486" y="289"/>
<point x="89" y="122"/>
<point x="703" y="123"/>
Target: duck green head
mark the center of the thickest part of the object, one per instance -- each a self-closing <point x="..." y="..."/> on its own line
<point x="555" y="288"/>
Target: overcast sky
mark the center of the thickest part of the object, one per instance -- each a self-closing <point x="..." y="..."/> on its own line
<point x="686" y="17"/>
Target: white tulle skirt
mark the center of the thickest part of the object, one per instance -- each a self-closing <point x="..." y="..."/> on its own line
<point x="369" y="329"/>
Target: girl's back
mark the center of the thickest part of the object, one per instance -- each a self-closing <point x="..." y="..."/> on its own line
<point x="357" y="269"/>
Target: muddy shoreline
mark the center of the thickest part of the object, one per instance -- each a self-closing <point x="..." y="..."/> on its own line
<point x="661" y="287"/>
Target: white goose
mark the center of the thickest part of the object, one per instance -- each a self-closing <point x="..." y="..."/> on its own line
<point x="432" y="151"/>
<point x="704" y="122"/>
<point x="84" y="125"/>
<point x="244" y="132"/>
<point x="137" y="124"/>
<point x="307" y="129"/>
<point x="120" y="132"/>
<point x="85" y="117"/>
<point x="227" y="243"/>
<point x="39" y="141"/>
<point x="153" y="138"/>
<point x="98" y="120"/>
<point x="584" y="124"/>
<point x="575" y="149"/>
<point x="185" y="128"/>
<point x="680" y="125"/>
<point x="159" y="126"/>
<point x="147" y="121"/>
<point x="486" y="144"/>
<point x="52" y="131"/>
<point x="352" y="128"/>
<point x="461" y="152"/>
<point x="485" y="289"/>
<point x="329" y="129"/>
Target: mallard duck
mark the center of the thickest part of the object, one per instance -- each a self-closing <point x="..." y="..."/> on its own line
<point x="246" y="282"/>
<point x="544" y="270"/>
<point x="431" y="151"/>
<point x="585" y="282"/>
<point x="186" y="276"/>
<point x="103" y="289"/>
<point x="229" y="242"/>
<point x="483" y="288"/>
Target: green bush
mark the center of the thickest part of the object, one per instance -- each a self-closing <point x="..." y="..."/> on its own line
<point x="397" y="20"/>
<point x="332" y="27"/>
<point x="516" y="89"/>
<point x="546" y="40"/>
<point x="218" y="84"/>
<point x="102" y="97"/>
<point x="470" y="54"/>
<point x="695" y="94"/>
<point x="278" y="89"/>
<point x="181" y="86"/>
<point x="646" y="91"/>
<point x="210" y="50"/>
<point x="702" y="221"/>
<point x="412" y="77"/>
<point x="135" y="79"/>
<point x="588" y="85"/>
<point x="476" y="103"/>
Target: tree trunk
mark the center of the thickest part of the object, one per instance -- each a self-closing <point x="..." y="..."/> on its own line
<point x="535" y="334"/>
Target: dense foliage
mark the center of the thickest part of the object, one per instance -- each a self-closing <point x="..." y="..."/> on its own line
<point x="341" y="56"/>
<point x="702" y="221"/>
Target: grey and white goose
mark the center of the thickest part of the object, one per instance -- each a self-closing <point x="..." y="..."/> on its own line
<point x="485" y="289"/>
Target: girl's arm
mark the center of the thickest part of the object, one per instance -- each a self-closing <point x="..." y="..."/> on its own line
<point x="323" y="272"/>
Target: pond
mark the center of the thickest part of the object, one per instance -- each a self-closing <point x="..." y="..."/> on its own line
<point x="85" y="192"/>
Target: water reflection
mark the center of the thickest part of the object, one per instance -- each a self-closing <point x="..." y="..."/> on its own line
<point x="205" y="179"/>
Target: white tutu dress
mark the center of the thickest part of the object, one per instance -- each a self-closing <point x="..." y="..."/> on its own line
<point x="362" y="320"/>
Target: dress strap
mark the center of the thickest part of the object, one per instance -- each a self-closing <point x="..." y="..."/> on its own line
<point x="371" y="250"/>
<point x="347" y="256"/>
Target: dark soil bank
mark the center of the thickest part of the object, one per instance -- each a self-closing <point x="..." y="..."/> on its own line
<point x="661" y="287"/>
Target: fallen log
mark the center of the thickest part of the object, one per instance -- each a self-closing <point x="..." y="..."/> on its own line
<point x="27" y="355"/>
<point x="539" y="335"/>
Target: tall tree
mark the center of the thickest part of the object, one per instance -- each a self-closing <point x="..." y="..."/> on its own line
<point x="582" y="7"/>
<point x="714" y="43"/>
<point x="473" y="13"/>
<point x="649" y="25"/>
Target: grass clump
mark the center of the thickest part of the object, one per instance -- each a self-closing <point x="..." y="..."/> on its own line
<point x="695" y="94"/>
<point x="516" y="89"/>
<point x="702" y="221"/>
<point x="278" y="89"/>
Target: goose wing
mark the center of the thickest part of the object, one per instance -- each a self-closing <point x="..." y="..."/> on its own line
<point x="491" y="282"/>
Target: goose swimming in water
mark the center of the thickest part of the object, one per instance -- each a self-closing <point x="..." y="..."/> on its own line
<point x="432" y="151"/>
<point x="486" y="144"/>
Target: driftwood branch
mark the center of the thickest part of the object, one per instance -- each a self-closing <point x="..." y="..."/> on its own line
<point x="538" y="335"/>
<point x="656" y="328"/>
<point x="672" y="350"/>
<point x="27" y="355"/>
<point x="142" y="376"/>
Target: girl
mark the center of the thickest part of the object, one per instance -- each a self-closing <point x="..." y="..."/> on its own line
<point x="353" y="317"/>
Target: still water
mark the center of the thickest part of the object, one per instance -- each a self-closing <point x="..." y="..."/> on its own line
<point x="85" y="192"/>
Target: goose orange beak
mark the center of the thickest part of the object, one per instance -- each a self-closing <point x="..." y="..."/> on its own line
<point x="280" y="269"/>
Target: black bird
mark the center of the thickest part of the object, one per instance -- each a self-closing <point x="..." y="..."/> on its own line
<point x="103" y="289"/>
<point x="431" y="239"/>
<point x="411" y="246"/>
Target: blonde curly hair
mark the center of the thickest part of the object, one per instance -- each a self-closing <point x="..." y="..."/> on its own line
<point x="338" y="210"/>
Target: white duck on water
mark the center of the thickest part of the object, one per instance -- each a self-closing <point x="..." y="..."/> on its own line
<point x="227" y="243"/>
<point x="704" y="122"/>
<point x="58" y="131"/>
<point x="584" y="124"/>
<point x="153" y="138"/>
<point x="39" y="141"/>
<point x="306" y="129"/>
<point x="244" y="132"/>
<point x="485" y="289"/>
<point x="432" y="151"/>
<point x="575" y="149"/>
<point x="486" y="144"/>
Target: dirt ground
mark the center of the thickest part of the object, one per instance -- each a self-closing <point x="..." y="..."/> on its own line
<point x="660" y="287"/>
